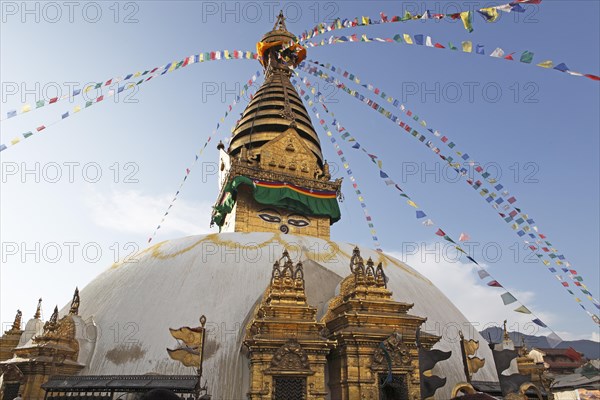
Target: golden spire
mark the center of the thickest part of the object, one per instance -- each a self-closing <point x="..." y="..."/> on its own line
<point x="38" y="310"/>
<point x="75" y="303"/>
<point x="274" y="150"/>
<point x="276" y="105"/>
<point x="16" y="326"/>
<point x="506" y="336"/>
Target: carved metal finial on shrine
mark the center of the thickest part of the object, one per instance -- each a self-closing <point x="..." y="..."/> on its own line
<point x="280" y="22"/>
<point x="16" y="325"/>
<point x="38" y="310"/>
<point x="74" y="310"/>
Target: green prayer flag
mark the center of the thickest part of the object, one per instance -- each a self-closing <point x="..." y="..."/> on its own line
<point x="527" y="57"/>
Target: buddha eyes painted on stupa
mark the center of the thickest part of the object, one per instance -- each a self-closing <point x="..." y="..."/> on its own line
<point x="271" y="215"/>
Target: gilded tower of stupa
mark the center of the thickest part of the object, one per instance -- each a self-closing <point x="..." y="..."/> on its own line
<point x="275" y="178"/>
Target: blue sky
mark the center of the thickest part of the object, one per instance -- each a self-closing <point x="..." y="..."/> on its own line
<point x="540" y="130"/>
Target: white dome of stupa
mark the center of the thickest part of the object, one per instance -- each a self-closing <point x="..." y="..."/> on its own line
<point x="224" y="276"/>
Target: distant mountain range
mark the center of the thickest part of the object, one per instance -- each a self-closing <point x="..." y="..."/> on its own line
<point x="590" y="349"/>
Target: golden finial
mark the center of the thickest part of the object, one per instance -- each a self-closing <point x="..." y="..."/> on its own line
<point x="506" y="337"/>
<point x="280" y="22"/>
<point x="54" y="316"/>
<point x="38" y="310"/>
<point x="17" y="322"/>
<point x="16" y="326"/>
<point x="75" y="303"/>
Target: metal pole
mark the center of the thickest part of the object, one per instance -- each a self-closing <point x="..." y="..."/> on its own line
<point x="202" y="323"/>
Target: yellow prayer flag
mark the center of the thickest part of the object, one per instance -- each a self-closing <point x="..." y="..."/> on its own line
<point x="546" y="262"/>
<point x="546" y="64"/>
<point x="15" y="141"/>
<point x="76" y="109"/>
<point x="26" y="108"/>
<point x="466" y="18"/>
<point x="87" y="89"/>
<point x="491" y="14"/>
<point x="412" y="203"/>
<point x="137" y="74"/>
<point x="408" y="39"/>
<point x="467" y="46"/>
<point x="366" y="21"/>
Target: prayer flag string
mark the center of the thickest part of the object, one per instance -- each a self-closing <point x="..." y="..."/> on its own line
<point x="188" y="170"/>
<point x="438" y="151"/>
<point x="507" y="297"/>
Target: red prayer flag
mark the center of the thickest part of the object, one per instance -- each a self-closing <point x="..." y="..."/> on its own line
<point x="439" y="46"/>
<point x="593" y="77"/>
<point x="40" y="128"/>
<point x="565" y="284"/>
<point x="440" y="233"/>
<point x="494" y="283"/>
<point x="53" y="100"/>
<point x="108" y="82"/>
<point x="100" y="98"/>
<point x="542" y="236"/>
<point x="509" y="57"/>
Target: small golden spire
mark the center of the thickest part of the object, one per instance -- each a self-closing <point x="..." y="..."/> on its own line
<point x="54" y="317"/>
<point x="280" y="22"/>
<point x="74" y="310"/>
<point x="16" y="326"/>
<point x="506" y="337"/>
<point x="17" y="322"/>
<point x="38" y="310"/>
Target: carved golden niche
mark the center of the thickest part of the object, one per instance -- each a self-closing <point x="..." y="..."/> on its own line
<point x="285" y="345"/>
<point x="288" y="153"/>
<point x="377" y="354"/>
